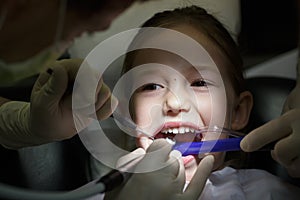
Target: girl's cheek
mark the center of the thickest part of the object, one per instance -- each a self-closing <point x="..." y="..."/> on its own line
<point x="142" y="113"/>
<point x="204" y="109"/>
<point x="212" y="109"/>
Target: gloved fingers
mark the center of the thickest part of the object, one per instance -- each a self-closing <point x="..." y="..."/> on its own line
<point x="173" y="168"/>
<point x="288" y="104"/>
<point x="293" y="168"/>
<point x="293" y="100"/>
<point x="158" y="144"/>
<point x="42" y="79"/>
<point x="144" y="142"/>
<point x="53" y="90"/>
<point x="102" y="95"/>
<point x="292" y="164"/>
<point x="107" y="109"/>
<point x="106" y="103"/>
<point x="84" y="116"/>
<point x="156" y="156"/>
<point x="161" y="148"/>
<point x="99" y="86"/>
<point x="177" y="167"/>
<point x="286" y="151"/>
<point x="198" y="182"/>
<point x="81" y="122"/>
<point x="269" y="132"/>
<point x="134" y="155"/>
<point x="71" y="66"/>
<point x="84" y="96"/>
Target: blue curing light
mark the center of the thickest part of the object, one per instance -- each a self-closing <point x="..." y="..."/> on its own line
<point x="195" y="148"/>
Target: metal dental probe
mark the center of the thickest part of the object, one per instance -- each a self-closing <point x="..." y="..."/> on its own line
<point x="129" y="125"/>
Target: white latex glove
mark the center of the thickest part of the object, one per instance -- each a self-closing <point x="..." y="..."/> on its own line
<point x="165" y="183"/>
<point x="48" y="117"/>
<point x="285" y="130"/>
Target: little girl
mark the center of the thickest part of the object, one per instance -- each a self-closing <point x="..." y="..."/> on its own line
<point x="175" y="93"/>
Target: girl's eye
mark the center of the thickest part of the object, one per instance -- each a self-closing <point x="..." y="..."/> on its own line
<point x="199" y="83"/>
<point x="151" y="86"/>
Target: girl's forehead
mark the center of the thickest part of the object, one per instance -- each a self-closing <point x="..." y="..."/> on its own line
<point x="154" y="60"/>
<point x="174" y="41"/>
<point x="181" y="44"/>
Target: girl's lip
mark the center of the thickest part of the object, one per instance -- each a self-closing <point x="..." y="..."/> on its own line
<point x="187" y="159"/>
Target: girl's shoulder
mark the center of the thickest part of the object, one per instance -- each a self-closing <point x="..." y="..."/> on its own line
<point x="249" y="184"/>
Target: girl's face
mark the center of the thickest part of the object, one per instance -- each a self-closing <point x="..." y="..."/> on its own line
<point x="174" y="99"/>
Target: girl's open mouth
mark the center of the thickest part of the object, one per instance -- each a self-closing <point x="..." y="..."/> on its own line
<point x="180" y="134"/>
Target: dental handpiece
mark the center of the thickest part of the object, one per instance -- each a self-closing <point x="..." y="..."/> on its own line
<point x="120" y="175"/>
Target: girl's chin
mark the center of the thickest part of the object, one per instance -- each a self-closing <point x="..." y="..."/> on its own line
<point x="188" y="160"/>
<point x="190" y="165"/>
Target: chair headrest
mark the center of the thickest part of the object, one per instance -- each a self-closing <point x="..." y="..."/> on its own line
<point x="269" y="95"/>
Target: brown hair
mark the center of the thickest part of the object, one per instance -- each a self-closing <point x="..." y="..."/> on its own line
<point x="90" y="6"/>
<point x="208" y="25"/>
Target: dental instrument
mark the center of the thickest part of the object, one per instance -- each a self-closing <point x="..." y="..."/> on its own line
<point x="120" y="175"/>
<point x="220" y="145"/>
<point x="129" y="125"/>
<point x="194" y="148"/>
<point x="106" y="183"/>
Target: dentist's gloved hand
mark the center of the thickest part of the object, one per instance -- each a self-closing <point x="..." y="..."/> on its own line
<point x="166" y="183"/>
<point x="48" y="117"/>
<point x="285" y="130"/>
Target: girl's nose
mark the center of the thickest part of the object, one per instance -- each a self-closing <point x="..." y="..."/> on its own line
<point x="174" y="104"/>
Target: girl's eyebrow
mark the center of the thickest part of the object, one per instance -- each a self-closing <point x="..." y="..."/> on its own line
<point x="145" y="72"/>
<point x="185" y="71"/>
<point x="201" y="69"/>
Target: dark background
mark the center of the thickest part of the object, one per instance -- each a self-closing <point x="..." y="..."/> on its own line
<point x="269" y="27"/>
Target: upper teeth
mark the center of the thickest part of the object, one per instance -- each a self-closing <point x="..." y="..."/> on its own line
<point x="180" y="130"/>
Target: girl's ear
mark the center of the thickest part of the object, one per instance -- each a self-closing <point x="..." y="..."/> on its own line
<point x="242" y="111"/>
